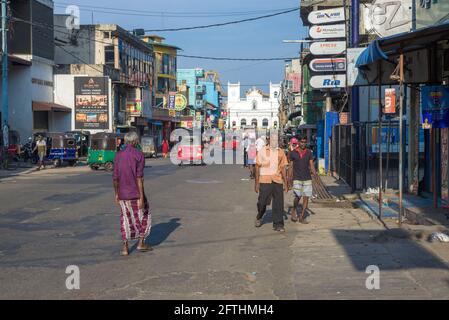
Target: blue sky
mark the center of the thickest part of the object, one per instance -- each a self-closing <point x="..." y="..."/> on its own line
<point x="258" y="39"/>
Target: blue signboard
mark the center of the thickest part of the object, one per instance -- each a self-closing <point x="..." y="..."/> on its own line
<point x="435" y="107"/>
<point x="331" y="120"/>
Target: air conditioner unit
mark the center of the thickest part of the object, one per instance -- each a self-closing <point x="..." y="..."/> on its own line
<point x="200" y="89"/>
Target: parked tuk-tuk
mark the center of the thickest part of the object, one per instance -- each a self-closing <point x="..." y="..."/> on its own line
<point x="14" y="146"/>
<point x="190" y="150"/>
<point x="103" y="148"/>
<point x="82" y="142"/>
<point x="148" y="146"/>
<point x="61" y="147"/>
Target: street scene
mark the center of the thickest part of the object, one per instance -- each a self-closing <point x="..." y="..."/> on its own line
<point x="168" y="152"/>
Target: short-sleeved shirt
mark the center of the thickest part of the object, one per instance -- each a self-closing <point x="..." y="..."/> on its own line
<point x="271" y="164"/>
<point x="128" y="166"/>
<point x="41" y="146"/>
<point x="301" y="164"/>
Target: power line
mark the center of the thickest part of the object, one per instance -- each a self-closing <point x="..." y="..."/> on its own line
<point x="179" y="55"/>
<point x="224" y="23"/>
<point x="233" y="59"/>
<point x="194" y="14"/>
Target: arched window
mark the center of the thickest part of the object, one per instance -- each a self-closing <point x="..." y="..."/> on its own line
<point x="233" y="123"/>
<point x="254" y="104"/>
<point x="243" y="122"/>
<point x="265" y="123"/>
<point x="254" y="123"/>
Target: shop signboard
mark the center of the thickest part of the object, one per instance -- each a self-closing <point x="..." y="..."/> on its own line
<point x="172" y="113"/>
<point x="91" y="103"/>
<point x="327" y="47"/>
<point x="180" y="102"/>
<point x="328" y="81"/>
<point x="134" y="107"/>
<point x="430" y="12"/>
<point x="328" y="31"/>
<point x="328" y="65"/>
<point x="327" y="16"/>
<point x="435" y="106"/>
<point x="171" y="100"/>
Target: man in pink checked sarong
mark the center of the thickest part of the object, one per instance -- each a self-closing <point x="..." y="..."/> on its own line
<point x="135" y="217"/>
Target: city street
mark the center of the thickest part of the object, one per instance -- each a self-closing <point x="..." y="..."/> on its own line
<point x="205" y="243"/>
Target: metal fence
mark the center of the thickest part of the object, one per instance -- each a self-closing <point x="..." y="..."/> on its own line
<point x="355" y="154"/>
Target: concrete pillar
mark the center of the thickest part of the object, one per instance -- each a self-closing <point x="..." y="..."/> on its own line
<point x="413" y="141"/>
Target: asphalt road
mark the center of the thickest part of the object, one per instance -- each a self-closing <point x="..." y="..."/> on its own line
<point x="205" y="243"/>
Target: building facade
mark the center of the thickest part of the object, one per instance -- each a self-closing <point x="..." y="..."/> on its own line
<point x="256" y="109"/>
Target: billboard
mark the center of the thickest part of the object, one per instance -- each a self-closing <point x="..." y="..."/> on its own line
<point x="328" y="31"/>
<point x="435" y="107"/>
<point x="91" y="103"/>
<point x="386" y="17"/>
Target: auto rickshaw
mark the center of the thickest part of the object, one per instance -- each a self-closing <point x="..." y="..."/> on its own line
<point x="14" y="146"/>
<point x="61" y="147"/>
<point x="82" y="142"/>
<point x="103" y="148"/>
<point x="148" y="146"/>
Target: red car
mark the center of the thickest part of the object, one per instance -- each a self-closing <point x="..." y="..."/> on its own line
<point x="190" y="150"/>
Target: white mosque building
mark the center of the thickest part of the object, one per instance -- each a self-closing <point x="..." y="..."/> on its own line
<point x="257" y="109"/>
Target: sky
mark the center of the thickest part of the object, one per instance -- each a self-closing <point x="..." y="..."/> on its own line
<point x="255" y="39"/>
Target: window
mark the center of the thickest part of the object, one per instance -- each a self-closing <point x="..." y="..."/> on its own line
<point x="254" y="123"/>
<point x="254" y="104"/>
<point x="243" y="122"/>
<point x="106" y="35"/>
<point x="275" y="94"/>
<point x="40" y="120"/>
<point x="109" y="55"/>
<point x="265" y="123"/>
<point x="233" y="123"/>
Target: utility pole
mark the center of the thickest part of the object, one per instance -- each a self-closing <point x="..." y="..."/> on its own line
<point x="5" y="107"/>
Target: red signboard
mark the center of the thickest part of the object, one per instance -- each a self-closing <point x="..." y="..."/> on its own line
<point x="390" y="101"/>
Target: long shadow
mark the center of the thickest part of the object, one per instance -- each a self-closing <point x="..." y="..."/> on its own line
<point x="160" y="232"/>
<point x="392" y="249"/>
<point x="268" y="216"/>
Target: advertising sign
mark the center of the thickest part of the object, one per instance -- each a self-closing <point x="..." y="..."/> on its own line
<point x="171" y="100"/>
<point x="328" y="81"/>
<point x="387" y="17"/>
<point x="327" y="16"/>
<point x="91" y="103"/>
<point x="429" y="12"/>
<point x="390" y="101"/>
<point x="134" y="107"/>
<point x="327" y="47"/>
<point x="328" y="64"/>
<point x="172" y="113"/>
<point x="435" y="107"/>
<point x="328" y="31"/>
<point x="180" y="102"/>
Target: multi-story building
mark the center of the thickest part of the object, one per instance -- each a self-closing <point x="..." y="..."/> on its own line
<point x="107" y="50"/>
<point x="290" y="107"/>
<point x="165" y="83"/>
<point x="257" y="109"/>
<point x="31" y="61"/>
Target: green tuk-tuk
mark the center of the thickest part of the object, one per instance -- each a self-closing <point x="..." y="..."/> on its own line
<point x="103" y="148"/>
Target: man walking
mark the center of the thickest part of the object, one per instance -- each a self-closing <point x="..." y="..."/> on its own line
<point x="41" y="147"/>
<point x="135" y="216"/>
<point x="301" y="162"/>
<point x="271" y="181"/>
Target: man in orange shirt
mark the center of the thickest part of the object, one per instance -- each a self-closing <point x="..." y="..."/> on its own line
<point x="271" y="181"/>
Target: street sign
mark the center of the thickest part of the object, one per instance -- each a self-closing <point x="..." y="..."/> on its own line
<point x="328" y="31"/>
<point x="327" y="16"/>
<point x="328" y="64"/>
<point x="327" y="47"/>
<point x="328" y="81"/>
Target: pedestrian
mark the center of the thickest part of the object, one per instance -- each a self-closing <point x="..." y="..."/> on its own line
<point x="261" y="142"/>
<point x="271" y="182"/>
<point x="245" y="150"/>
<point x="251" y="152"/>
<point x="165" y="148"/>
<point x="129" y="190"/>
<point x="41" y="147"/>
<point x="301" y="161"/>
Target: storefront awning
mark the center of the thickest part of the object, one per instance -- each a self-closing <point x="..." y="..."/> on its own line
<point x="49" y="106"/>
<point x="403" y="42"/>
<point x="294" y="115"/>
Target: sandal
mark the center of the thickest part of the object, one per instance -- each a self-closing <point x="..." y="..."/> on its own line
<point x="145" y="248"/>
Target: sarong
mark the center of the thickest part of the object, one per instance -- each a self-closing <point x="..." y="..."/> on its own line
<point x="134" y="223"/>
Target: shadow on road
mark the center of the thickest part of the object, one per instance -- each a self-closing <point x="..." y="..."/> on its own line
<point x="160" y="232"/>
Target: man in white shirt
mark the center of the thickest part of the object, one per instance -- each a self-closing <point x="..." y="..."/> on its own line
<point x="260" y="143"/>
